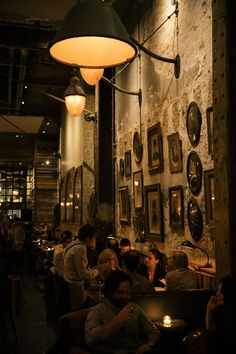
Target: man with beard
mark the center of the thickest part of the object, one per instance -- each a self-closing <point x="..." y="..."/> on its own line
<point x="118" y="326"/>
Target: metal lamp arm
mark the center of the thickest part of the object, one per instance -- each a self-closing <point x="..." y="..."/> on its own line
<point x="207" y="265"/>
<point x="175" y="61"/>
<point x="135" y="93"/>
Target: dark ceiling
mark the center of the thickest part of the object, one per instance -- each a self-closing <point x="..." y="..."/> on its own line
<point x="28" y="75"/>
<point x="27" y="72"/>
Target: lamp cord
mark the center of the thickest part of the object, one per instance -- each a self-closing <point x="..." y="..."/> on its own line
<point x="15" y="126"/>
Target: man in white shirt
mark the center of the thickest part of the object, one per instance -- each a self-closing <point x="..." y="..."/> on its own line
<point x="76" y="268"/>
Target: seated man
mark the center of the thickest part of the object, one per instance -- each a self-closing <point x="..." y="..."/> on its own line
<point x="118" y="326"/>
<point x="179" y="276"/>
<point x="140" y="284"/>
<point x="125" y="246"/>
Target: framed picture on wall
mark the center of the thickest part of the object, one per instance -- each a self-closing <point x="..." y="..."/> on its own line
<point x="209" y="186"/>
<point x="124" y="205"/>
<point x="128" y="169"/>
<point x="69" y="202"/>
<point x="138" y="189"/>
<point x="121" y="167"/>
<point x="78" y="182"/>
<point x="176" y="207"/>
<point x="175" y="153"/>
<point x="209" y="114"/>
<point x="155" y="149"/>
<point x="153" y="211"/>
<point x="62" y="199"/>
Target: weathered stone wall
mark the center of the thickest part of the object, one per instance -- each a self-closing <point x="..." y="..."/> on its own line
<point x="77" y="148"/>
<point x="165" y="99"/>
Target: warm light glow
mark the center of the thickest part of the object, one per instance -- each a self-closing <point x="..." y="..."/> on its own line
<point x="92" y="36"/>
<point x="91" y="76"/>
<point x="92" y="52"/>
<point x="75" y="104"/>
<point x="167" y="321"/>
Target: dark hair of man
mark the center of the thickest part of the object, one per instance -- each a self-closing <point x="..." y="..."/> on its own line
<point x="113" y="281"/>
<point x="125" y="242"/>
<point x="178" y="260"/>
<point x="86" y="231"/>
<point x="131" y="260"/>
<point x="66" y="235"/>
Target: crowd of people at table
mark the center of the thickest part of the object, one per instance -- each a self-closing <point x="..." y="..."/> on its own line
<point x="77" y="267"/>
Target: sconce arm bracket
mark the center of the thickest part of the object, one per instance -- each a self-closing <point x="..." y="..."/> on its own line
<point x="90" y="117"/>
<point x="135" y="93"/>
<point x="175" y="61"/>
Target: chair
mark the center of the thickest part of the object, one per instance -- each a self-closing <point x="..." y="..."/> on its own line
<point x="71" y="338"/>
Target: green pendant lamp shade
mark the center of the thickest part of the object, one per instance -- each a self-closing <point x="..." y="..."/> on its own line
<point x="92" y="36"/>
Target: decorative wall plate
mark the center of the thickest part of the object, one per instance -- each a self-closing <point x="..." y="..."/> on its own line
<point x="193" y="123"/>
<point x="195" y="219"/>
<point x="194" y="173"/>
<point x="137" y="147"/>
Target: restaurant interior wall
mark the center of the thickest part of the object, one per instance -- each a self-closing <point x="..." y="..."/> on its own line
<point x="77" y="149"/>
<point x="166" y="99"/>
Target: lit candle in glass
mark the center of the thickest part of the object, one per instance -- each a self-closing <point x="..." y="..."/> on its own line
<point x="167" y="321"/>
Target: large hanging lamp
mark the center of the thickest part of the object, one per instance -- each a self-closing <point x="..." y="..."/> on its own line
<point x="75" y="97"/>
<point x="92" y="36"/>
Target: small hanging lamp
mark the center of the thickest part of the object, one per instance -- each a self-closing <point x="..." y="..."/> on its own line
<point x="91" y="76"/>
<point x="75" y="97"/>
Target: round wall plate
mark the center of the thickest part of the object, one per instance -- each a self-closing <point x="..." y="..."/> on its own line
<point x="137" y="147"/>
<point x="194" y="173"/>
<point x="195" y="221"/>
<point x="193" y="123"/>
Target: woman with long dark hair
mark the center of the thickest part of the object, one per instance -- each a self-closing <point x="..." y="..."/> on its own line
<point x="154" y="268"/>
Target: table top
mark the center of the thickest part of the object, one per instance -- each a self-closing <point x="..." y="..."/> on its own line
<point x="174" y="325"/>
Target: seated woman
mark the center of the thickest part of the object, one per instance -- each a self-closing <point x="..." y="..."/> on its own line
<point x="140" y="284"/>
<point x="108" y="256"/>
<point x="154" y="268"/>
<point x="179" y="276"/>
